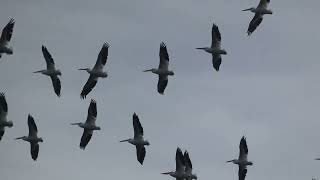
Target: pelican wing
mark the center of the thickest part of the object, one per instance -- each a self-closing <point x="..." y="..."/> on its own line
<point x="138" y="129"/>
<point x="33" y="130"/>
<point x="263" y="4"/>
<point x="141" y="153"/>
<point x="85" y="138"/>
<point x="180" y="163"/>
<point x="34" y="150"/>
<point x="3" y="106"/>
<point x="216" y="36"/>
<point x="1" y="132"/>
<point x="7" y="33"/>
<point x="164" y="57"/>
<point x="254" y="23"/>
<point x="188" y="163"/>
<point x="162" y="83"/>
<point x="92" y="112"/>
<point x="49" y="60"/>
<point x="216" y="61"/>
<point x="56" y="84"/>
<point x="242" y="172"/>
<point x="102" y="57"/>
<point x="243" y="149"/>
<point x="90" y="84"/>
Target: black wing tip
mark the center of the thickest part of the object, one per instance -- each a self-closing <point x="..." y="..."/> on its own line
<point x="82" y="147"/>
<point x="30" y="116"/>
<point x="2" y="95"/>
<point x="105" y="45"/>
<point x="163" y="45"/>
<point x="134" y="115"/>
<point x="83" y="96"/>
<point x="93" y="102"/>
<point x="12" y="21"/>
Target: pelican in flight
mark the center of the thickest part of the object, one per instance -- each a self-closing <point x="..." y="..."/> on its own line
<point x="32" y="138"/>
<point x="180" y="173"/>
<point x="3" y="115"/>
<point x="215" y="49"/>
<point x="6" y="37"/>
<point x="96" y="71"/>
<point x="138" y="139"/>
<point x="242" y="161"/>
<point x="162" y="70"/>
<point x="259" y="11"/>
<point x="89" y="126"/>
<point x="188" y="169"/>
<point x="51" y="71"/>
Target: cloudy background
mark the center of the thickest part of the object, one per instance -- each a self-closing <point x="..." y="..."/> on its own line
<point x="267" y="89"/>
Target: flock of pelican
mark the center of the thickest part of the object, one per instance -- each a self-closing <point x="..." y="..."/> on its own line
<point x="183" y="163"/>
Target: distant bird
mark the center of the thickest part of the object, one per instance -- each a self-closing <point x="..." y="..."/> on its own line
<point x="3" y="115"/>
<point x="179" y="174"/>
<point x="32" y="138"/>
<point x="259" y="11"/>
<point x="138" y="139"/>
<point x="317" y="159"/>
<point x="96" y="71"/>
<point x="242" y="161"/>
<point x="215" y="49"/>
<point x="188" y="169"/>
<point x="89" y="126"/>
<point x="162" y="70"/>
<point x="51" y="71"/>
<point x="5" y="38"/>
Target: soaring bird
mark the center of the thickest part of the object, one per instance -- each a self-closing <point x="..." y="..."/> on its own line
<point x="96" y="71"/>
<point x="242" y="161"/>
<point x="32" y="138"/>
<point x="162" y="70"/>
<point x="6" y="37"/>
<point x="89" y="126"/>
<point x="179" y="174"/>
<point x="215" y="49"/>
<point x="188" y="169"/>
<point x="138" y="139"/>
<point x="3" y="115"/>
<point x="51" y="71"/>
<point x="259" y="11"/>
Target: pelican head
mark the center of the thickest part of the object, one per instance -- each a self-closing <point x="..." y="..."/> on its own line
<point x="97" y="128"/>
<point x="223" y="51"/>
<point x="150" y="70"/>
<point x="147" y="143"/>
<point x="9" y="51"/>
<point x="252" y="9"/>
<point x="194" y="176"/>
<point x="9" y="124"/>
<point x="40" y="140"/>
<point x="170" y="73"/>
<point x="59" y="72"/>
<point x="250" y="163"/>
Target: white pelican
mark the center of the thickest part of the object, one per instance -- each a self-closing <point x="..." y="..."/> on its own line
<point x="51" y="71"/>
<point x="188" y="169"/>
<point x="215" y="49"/>
<point x="96" y="71"/>
<point x="138" y="139"/>
<point x="6" y="37"/>
<point x="162" y="70"/>
<point x="32" y="138"/>
<point x="179" y="174"/>
<point x="259" y="11"/>
<point x="242" y="161"/>
<point x="3" y="115"/>
<point x="89" y="126"/>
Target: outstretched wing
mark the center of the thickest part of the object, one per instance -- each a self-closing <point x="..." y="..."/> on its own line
<point x="3" y="106"/>
<point x="92" y="112"/>
<point x="33" y="130"/>
<point x="216" y="61"/>
<point x="56" y="84"/>
<point x="254" y="23"/>
<point x="85" y="138"/>
<point x="7" y="33"/>
<point x="102" y="57"/>
<point x="47" y="56"/>
<point x="243" y="149"/>
<point x="34" y="150"/>
<point x="90" y="84"/>
<point x="216" y="36"/>
<point x="141" y="153"/>
<point x="162" y="83"/>
<point x="138" y="130"/>
<point x="164" y="57"/>
<point x="180" y="163"/>
<point x="187" y="162"/>
<point x="242" y="172"/>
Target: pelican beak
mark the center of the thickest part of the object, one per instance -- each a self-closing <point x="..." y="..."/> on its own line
<point x="18" y="138"/>
<point x="228" y="161"/>
<point x="247" y="9"/>
<point x="201" y="48"/>
<point x="82" y="69"/>
<point x="126" y="140"/>
<point x="166" y="173"/>
<point x="74" y="124"/>
<point x="148" y="70"/>
<point x="37" y="72"/>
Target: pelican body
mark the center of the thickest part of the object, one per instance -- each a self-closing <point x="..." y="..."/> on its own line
<point x="89" y="126"/>
<point x="5" y="38"/>
<point x="188" y="169"/>
<point x="3" y="115"/>
<point x="138" y="139"/>
<point x="32" y="138"/>
<point x="215" y="50"/>
<point x="179" y="173"/>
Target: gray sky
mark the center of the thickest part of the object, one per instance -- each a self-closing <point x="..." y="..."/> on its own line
<point x="267" y="88"/>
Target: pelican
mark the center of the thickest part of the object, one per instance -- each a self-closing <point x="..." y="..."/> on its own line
<point x="51" y="71"/>
<point x="215" y="49"/>
<point x="179" y="174"/>
<point x="96" y="71"/>
<point x="5" y="38"/>
<point x="138" y="139"/>
<point x="89" y="126"/>
<point x="242" y="161"/>
<point x="259" y="11"/>
<point x="188" y="169"/>
<point x="3" y="115"/>
<point x="162" y="70"/>
<point x="32" y="138"/>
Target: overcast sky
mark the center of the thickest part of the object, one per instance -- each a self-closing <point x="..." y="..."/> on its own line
<point x="267" y="88"/>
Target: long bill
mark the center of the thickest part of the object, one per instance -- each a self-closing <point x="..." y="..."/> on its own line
<point x="247" y="9"/>
<point x="201" y="48"/>
<point x="229" y="161"/>
<point x="19" y="138"/>
<point x="126" y="140"/>
<point x="166" y="173"/>
<point x="148" y="70"/>
<point x="83" y="69"/>
<point x="38" y="71"/>
<point x="75" y="123"/>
